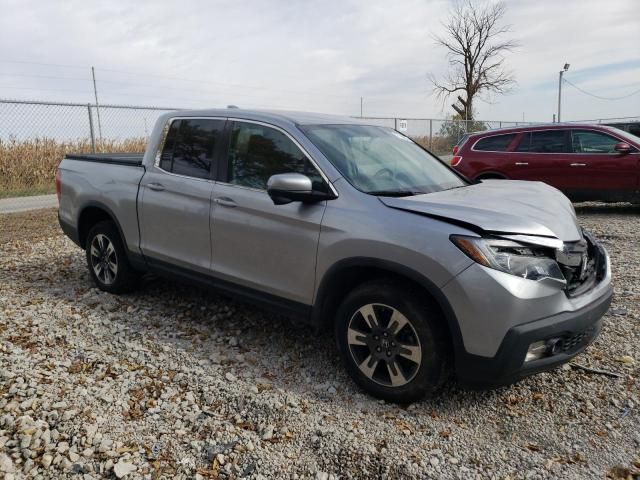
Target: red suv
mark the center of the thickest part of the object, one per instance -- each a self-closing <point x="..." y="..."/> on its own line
<point x="585" y="162"/>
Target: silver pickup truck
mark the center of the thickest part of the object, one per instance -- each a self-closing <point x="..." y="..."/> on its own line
<point x="355" y="229"/>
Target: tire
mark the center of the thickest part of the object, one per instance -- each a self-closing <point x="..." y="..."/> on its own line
<point x="107" y="259"/>
<point x="418" y="371"/>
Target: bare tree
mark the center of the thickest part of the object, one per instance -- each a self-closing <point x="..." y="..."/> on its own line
<point x="475" y="47"/>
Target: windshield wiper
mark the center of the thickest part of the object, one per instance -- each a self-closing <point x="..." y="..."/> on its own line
<point x="395" y="193"/>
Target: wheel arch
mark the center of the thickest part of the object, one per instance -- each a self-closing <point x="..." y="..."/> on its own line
<point x="92" y="213"/>
<point x="489" y="174"/>
<point x="346" y="274"/>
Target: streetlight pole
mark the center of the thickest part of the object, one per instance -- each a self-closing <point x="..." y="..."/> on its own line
<point x="565" y="68"/>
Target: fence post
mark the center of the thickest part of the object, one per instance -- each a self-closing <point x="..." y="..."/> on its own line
<point x="430" y="133"/>
<point x="395" y="124"/>
<point x="93" y="135"/>
<point x="500" y="123"/>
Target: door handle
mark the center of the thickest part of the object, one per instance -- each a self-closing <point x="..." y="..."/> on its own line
<point x="578" y="164"/>
<point x="522" y="164"/>
<point x="158" y="187"/>
<point x="225" y="202"/>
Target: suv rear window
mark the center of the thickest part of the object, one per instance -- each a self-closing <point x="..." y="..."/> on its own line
<point x="494" y="143"/>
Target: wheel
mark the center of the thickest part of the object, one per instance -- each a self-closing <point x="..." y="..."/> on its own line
<point x="107" y="260"/>
<point x="392" y="342"/>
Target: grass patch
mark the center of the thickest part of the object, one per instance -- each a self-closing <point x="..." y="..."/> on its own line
<point x="28" y="192"/>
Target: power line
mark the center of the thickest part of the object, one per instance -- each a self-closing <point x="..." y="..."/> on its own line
<point x="43" y="64"/>
<point x="75" y="90"/>
<point x="228" y="85"/>
<point x="54" y="77"/>
<point x="163" y="77"/>
<point x="598" y="96"/>
<point x="195" y="102"/>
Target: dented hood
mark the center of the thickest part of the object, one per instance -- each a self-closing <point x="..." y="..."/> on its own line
<point x="500" y="207"/>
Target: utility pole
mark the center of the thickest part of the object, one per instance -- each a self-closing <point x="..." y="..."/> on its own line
<point x="360" y="107"/>
<point x="565" y="68"/>
<point x="95" y="93"/>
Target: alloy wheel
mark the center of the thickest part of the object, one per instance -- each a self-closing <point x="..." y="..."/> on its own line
<point x="104" y="259"/>
<point x="384" y="345"/>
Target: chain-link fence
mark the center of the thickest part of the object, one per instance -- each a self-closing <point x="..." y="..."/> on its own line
<point x="34" y="136"/>
<point x="440" y="135"/>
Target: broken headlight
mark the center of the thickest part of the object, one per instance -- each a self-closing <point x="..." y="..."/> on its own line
<point x="526" y="261"/>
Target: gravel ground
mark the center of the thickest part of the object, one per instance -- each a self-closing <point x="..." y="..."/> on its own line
<point x="174" y="382"/>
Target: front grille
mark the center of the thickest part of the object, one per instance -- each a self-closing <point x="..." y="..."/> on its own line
<point x="583" y="264"/>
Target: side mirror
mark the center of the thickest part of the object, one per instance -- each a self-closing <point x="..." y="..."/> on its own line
<point x="293" y="187"/>
<point x="622" y="147"/>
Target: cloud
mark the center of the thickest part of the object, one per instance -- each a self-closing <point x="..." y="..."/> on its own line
<point x="312" y="55"/>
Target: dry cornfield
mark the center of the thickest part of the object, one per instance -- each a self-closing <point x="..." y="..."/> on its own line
<point x="29" y="166"/>
<point x="440" y="145"/>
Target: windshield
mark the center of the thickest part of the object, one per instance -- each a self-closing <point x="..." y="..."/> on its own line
<point x="380" y="161"/>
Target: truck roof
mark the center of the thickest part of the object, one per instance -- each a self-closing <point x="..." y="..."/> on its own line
<point x="276" y="117"/>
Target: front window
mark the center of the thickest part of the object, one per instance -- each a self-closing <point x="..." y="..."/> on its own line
<point x="590" y="141"/>
<point x="631" y="136"/>
<point x="380" y="161"/>
<point x="256" y="152"/>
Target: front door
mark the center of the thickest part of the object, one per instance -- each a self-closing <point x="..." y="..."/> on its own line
<point x="603" y="173"/>
<point x="176" y="196"/>
<point x="256" y="244"/>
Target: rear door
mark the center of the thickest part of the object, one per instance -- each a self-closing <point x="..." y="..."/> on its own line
<point x="603" y="173"/>
<point x="256" y="244"/>
<point x="176" y="195"/>
<point x="544" y="155"/>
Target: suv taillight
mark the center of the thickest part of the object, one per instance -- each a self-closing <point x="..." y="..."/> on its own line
<point x="58" y="185"/>
<point x="455" y="149"/>
<point x="455" y="160"/>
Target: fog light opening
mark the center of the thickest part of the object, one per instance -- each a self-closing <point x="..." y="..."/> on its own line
<point x="543" y="348"/>
<point x="536" y="351"/>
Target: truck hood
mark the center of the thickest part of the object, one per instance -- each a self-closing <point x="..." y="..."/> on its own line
<point x="508" y="207"/>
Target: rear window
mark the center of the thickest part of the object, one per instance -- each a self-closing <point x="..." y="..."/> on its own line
<point x="495" y="143"/>
<point x="544" y="141"/>
<point x="190" y="145"/>
<point x="462" y="140"/>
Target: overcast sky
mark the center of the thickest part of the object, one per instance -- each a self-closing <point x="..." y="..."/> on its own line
<point x="312" y="55"/>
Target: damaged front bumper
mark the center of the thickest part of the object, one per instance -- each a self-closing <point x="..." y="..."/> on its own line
<point x="512" y="327"/>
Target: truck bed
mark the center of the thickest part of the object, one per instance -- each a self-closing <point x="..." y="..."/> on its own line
<point x="129" y="159"/>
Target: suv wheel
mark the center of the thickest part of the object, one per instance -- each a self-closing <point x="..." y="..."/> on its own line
<point x="391" y="342"/>
<point x="107" y="260"/>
